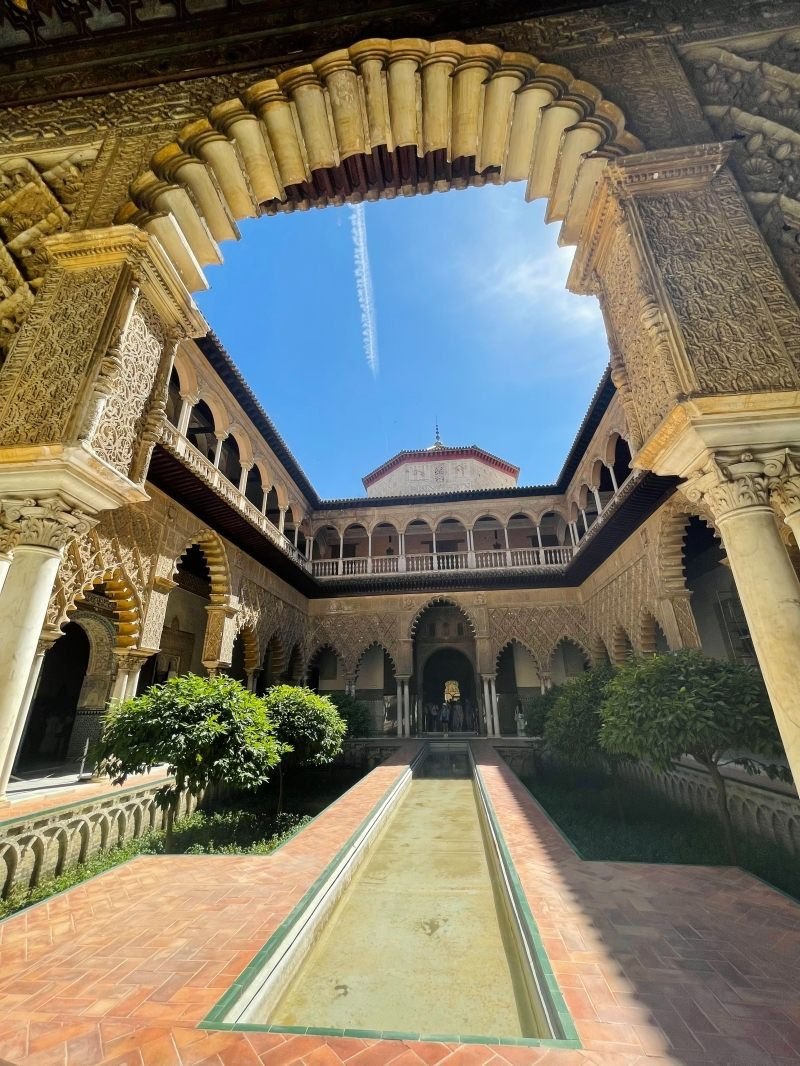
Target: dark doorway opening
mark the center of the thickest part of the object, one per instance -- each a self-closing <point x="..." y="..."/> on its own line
<point x="53" y="712"/>
<point x="445" y="666"/>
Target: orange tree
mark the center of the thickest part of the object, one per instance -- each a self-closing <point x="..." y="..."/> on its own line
<point x="660" y="707"/>
<point x="308" y="727"/>
<point x="207" y="730"/>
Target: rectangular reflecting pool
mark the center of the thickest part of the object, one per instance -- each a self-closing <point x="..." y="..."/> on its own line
<point x="416" y="932"/>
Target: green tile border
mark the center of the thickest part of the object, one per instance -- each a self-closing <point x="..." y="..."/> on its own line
<point x="214" y="1019"/>
<point x="558" y="1006"/>
<point x="568" y="1041"/>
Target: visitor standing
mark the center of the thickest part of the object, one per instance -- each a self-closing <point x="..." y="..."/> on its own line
<point x="445" y="718"/>
<point x="458" y="718"/>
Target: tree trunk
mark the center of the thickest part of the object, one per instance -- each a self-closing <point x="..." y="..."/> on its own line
<point x="169" y="840"/>
<point x="280" y="791"/>
<point x="724" y="813"/>
<point x="617" y="795"/>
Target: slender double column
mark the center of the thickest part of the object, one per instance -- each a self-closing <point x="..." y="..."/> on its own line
<point x="491" y="715"/>
<point x="403" y="707"/>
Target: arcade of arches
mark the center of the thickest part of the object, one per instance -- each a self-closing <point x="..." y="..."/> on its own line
<point x="154" y="522"/>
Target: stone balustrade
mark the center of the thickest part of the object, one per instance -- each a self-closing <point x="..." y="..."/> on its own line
<point x="556" y="558"/>
<point x="179" y="446"/>
<point x="35" y="846"/>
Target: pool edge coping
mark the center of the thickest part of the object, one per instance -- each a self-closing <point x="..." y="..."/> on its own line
<point x="213" y="1020"/>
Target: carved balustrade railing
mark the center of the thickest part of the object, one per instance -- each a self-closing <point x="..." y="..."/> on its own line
<point x="533" y="558"/>
<point x="179" y="446"/>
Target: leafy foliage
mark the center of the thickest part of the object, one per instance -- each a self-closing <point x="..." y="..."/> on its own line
<point x="660" y="707"/>
<point x="573" y="725"/>
<point x="207" y="730"/>
<point x="537" y="711"/>
<point x="307" y="725"/>
<point x="355" y="714"/>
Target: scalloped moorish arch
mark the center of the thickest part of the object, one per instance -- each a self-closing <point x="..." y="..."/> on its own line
<point x="216" y="557"/>
<point x="251" y="657"/>
<point x="369" y="647"/>
<point x="378" y="119"/>
<point x="440" y="601"/>
<point x="671" y="533"/>
<point x="515" y="640"/>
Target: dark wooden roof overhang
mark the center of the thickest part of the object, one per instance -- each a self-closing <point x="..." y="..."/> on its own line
<point x="182" y="485"/>
<point x="178" y="482"/>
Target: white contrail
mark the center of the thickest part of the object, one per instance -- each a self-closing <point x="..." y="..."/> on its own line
<point x="366" y="298"/>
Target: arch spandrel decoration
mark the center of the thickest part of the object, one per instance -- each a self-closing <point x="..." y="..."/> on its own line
<point x="371" y="121"/>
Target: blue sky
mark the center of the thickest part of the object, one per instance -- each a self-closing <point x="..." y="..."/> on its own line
<point x="468" y="320"/>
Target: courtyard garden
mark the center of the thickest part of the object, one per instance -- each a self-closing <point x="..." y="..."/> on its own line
<point x="265" y="763"/>
<point x="657" y="709"/>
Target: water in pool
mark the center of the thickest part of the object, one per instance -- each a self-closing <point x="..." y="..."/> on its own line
<point x="419" y="941"/>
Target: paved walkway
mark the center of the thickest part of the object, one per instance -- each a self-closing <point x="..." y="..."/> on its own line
<point x="37" y="795"/>
<point x="658" y="964"/>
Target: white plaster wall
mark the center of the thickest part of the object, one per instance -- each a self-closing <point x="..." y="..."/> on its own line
<point x="525" y="668"/>
<point x="190" y="611"/>
<point x="447" y="475"/>
<point x="567" y="661"/>
<point x="704" y="598"/>
<point x="370" y="672"/>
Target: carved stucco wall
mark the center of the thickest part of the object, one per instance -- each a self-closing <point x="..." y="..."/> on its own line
<point x="135" y="551"/>
<point x="749" y="88"/>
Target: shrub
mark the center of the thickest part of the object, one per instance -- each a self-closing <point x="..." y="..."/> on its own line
<point x="208" y="730"/>
<point x="355" y="714"/>
<point x="309" y="728"/>
<point x="660" y="707"/>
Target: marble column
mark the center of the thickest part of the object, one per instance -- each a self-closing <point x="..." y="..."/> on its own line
<point x="487" y="707"/>
<point x="737" y="490"/>
<point x="493" y="703"/>
<point x="5" y="564"/>
<point x="407" y="707"/>
<point x="399" y="683"/>
<point x="23" y="605"/>
<point x="31" y="688"/>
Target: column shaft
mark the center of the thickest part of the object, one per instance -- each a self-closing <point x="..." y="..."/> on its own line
<point x="22" y="720"/>
<point x="770" y="593"/>
<point x="23" y="606"/>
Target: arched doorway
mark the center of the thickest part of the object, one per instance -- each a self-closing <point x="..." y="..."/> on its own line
<point x="517" y="683"/>
<point x="447" y="675"/>
<point x="444" y="651"/>
<point x="52" y="715"/>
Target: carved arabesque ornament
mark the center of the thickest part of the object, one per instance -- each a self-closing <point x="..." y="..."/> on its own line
<point x="48" y="521"/>
<point x="34" y="204"/>
<point x="750" y="92"/>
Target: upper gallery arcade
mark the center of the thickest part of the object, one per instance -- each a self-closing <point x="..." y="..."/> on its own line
<point x="137" y="470"/>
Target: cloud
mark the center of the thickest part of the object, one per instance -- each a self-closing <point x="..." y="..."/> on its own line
<point x="363" y="276"/>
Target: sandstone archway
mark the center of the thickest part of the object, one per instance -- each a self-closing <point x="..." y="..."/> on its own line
<point x="372" y="121"/>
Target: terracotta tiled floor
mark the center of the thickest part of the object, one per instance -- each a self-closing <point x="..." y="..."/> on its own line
<point x="659" y="965"/>
<point x="87" y="790"/>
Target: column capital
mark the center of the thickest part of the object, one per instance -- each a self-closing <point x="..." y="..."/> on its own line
<point x="130" y="659"/>
<point x="783" y="471"/>
<point x="46" y="521"/>
<point x="729" y="483"/>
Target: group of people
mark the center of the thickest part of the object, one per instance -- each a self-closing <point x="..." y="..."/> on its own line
<point x="451" y="716"/>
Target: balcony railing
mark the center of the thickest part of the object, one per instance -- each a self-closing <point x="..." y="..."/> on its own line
<point x="179" y="446"/>
<point x="514" y="558"/>
<point x="551" y="558"/>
